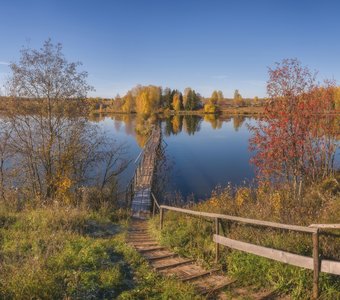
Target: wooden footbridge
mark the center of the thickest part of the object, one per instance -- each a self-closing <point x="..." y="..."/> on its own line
<point x="212" y="282"/>
<point x="139" y="189"/>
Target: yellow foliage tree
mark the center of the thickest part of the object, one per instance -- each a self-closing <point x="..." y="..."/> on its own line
<point x="148" y="99"/>
<point x="129" y="103"/>
<point x="176" y="102"/>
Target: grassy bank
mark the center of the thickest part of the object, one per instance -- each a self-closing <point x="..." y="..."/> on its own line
<point x="192" y="236"/>
<point x="71" y="253"/>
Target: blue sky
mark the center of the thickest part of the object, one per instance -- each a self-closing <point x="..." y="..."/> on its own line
<point x="207" y="45"/>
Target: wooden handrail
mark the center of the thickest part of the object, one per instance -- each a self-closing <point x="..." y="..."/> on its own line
<point x="155" y="200"/>
<point x="242" y="220"/>
<point x="314" y="263"/>
<point x="325" y="226"/>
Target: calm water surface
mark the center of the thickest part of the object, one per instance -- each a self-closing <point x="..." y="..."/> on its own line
<point x="201" y="153"/>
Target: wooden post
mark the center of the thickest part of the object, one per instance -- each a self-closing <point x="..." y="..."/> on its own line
<point x="316" y="260"/>
<point x="153" y="208"/>
<point x="217" y="245"/>
<point x="161" y="218"/>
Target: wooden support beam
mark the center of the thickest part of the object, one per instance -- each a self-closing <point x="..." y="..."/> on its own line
<point x="282" y="256"/>
<point x="140" y="244"/>
<point x="217" y="245"/>
<point x="162" y="256"/>
<point x="199" y="275"/>
<point x="316" y="263"/>
<point x="241" y="220"/>
<point x="151" y="249"/>
<point x="173" y="265"/>
<point x="161" y="218"/>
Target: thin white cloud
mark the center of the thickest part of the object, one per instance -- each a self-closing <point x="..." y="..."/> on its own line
<point x="4" y="63"/>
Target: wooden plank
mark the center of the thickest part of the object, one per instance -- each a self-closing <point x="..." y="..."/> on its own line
<point x="242" y="220"/>
<point x="151" y="249"/>
<point x="141" y="240"/>
<point x="199" y="275"/>
<point x="173" y="265"/>
<point x="141" y="244"/>
<point x="316" y="268"/>
<point x="325" y="226"/>
<point x="282" y="256"/>
<point x="330" y="266"/>
<point x="162" y="256"/>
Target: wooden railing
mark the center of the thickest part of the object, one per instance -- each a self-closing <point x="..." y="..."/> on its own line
<point x="315" y="263"/>
<point x="130" y="187"/>
<point x="155" y="205"/>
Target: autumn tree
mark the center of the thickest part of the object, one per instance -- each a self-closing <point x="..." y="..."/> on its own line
<point x="256" y="101"/>
<point x="214" y="98"/>
<point x="5" y="157"/>
<point x="294" y="141"/>
<point x="177" y="102"/>
<point x="191" y="99"/>
<point x="148" y="100"/>
<point x="167" y="98"/>
<point x="238" y="100"/>
<point x="53" y="143"/>
<point x="129" y="104"/>
<point x="220" y="97"/>
<point x="211" y="106"/>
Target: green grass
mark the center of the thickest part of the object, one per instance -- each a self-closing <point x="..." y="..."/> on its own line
<point x="61" y="253"/>
<point x="192" y="237"/>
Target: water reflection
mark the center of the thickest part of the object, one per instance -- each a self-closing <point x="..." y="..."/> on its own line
<point x="201" y="152"/>
<point x="140" y="127"/>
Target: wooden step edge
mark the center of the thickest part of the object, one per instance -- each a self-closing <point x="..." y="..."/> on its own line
<point x="199" y="275"/>
<point x="162" y="256"/>
<point x="141" y="240"/>
<point x="136" y="241"/>
<point x="173" y="265"/>
<point x="139" y="236"/>
<point x="218" y="287"/>
<point x="150" y="249"/>
<point x="147" y="244"/>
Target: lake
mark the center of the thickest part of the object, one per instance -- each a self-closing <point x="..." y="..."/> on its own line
<point x="201" y="152"/>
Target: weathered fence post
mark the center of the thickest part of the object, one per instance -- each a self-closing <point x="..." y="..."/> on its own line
<point x="217" y="245"/>
<point x="316" y="259"/>
<point x="161" y="218"/>
<point x="153" y="207"/>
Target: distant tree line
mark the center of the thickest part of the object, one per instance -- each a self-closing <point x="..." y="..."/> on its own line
<point x="153" y="99"/>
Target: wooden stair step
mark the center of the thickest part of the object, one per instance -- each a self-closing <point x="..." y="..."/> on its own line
<point x="134" y="242"/>
<point x="150" y="249"/>
<point x="199" y="275"/>
<point x="141" y="244"/>
<point x="174" y="264"/>
<point x="139" y="236"/>
<point x="162" y="256"/>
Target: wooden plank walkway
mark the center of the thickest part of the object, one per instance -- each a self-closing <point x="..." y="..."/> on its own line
<point x="209" y="283"/>
<point x="141" y="184"/>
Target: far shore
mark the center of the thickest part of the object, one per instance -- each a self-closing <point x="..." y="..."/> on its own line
<point x="251" y="110"/>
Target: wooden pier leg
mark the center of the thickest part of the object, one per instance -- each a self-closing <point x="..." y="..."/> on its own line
<point x="217" y="245"/>
<point x="161" y="218"/>
<point x="316" y="260"/>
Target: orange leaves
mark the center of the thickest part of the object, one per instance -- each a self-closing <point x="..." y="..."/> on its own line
<point x="295" y="137"/>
